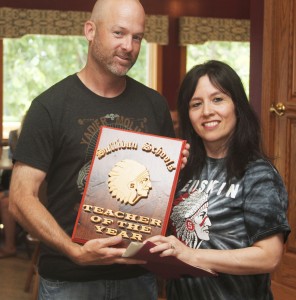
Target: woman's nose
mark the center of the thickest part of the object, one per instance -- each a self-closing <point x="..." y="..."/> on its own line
<point x="207" y="108"/>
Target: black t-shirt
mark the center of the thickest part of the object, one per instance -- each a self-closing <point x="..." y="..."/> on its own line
<point x="209" y="214"/>
<point x="59" y="136"/>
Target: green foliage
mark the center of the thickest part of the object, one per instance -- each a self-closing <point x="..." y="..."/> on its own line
<point x="35" y="62"/>
<point x="140" y="70"/>
<point x="236" y="54"/>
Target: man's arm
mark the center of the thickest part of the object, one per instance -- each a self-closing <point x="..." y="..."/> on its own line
<point x="27" y="209"/>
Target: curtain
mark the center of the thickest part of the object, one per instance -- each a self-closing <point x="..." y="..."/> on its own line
<point x="195" y="30"/>
<point x="18" y="22"/>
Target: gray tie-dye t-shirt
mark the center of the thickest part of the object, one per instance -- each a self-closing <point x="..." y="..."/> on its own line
<point x="209" y="214"/>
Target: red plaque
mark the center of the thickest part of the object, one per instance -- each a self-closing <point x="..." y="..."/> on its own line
<point x="130" y="186"/>
<point x="168" y="267"/>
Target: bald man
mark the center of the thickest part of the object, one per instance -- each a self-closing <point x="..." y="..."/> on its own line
<point x="57" y="143"/>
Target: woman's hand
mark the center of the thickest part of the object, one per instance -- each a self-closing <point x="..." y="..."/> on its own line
<point x="168" y="246"/>
<point x="185" y="154"/>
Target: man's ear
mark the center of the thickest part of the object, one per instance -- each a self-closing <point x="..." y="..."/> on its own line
<point x="89" y="30"/>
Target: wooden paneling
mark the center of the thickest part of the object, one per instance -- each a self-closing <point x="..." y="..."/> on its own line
<point x="256" y="53"/>
<point x="279" y="69"/>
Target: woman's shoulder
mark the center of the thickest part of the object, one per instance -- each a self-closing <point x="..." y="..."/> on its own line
<point x="262" y="170"/>
<point x="260" y="165"/>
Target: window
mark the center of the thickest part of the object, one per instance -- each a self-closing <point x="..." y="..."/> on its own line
<point x="35" y="62"/>
<point x="236" y="54"/>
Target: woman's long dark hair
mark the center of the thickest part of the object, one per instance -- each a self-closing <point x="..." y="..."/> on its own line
<point x="245" y="143"/>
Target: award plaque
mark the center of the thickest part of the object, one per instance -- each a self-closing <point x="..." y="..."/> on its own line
<point x="130" y="186"/>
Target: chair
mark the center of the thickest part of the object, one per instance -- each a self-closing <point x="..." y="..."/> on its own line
<point x="32" y="279"/>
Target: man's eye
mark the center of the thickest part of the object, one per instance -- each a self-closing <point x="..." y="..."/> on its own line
<point x="118" y="33"/>
<point x="137" y="38"/>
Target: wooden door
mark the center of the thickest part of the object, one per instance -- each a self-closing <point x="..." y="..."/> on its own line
<point x="279" y="131"/>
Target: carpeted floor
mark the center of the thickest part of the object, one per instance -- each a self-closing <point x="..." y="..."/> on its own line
<point x="13" y="275"/>
<point x="13" y="272"/>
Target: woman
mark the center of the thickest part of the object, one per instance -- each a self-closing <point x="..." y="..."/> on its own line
<point x="237" y="224"/>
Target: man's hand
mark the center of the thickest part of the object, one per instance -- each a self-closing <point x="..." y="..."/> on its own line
<point x="102" y="252"/>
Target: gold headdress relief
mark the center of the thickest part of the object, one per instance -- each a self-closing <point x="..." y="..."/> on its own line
<point x="129" y="181"/>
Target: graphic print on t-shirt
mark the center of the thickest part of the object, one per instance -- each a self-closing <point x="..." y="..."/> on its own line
<point x="92" y="131"/>
<point x="190" y="218"/>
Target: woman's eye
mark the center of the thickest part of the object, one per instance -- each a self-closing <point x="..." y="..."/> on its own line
<point x="194" y="104"/>
<point x="218" y="99"/>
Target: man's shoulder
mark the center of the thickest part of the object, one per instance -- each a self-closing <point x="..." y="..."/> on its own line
<point x="136" y="85"/>
<point x="149" y="96"/>
<point x="60" y="86"/>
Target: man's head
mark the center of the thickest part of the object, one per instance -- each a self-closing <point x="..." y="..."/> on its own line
<point x="115" y="31"/>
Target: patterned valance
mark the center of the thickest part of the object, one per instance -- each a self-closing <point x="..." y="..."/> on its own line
<point x="157" y="29"/>
<point x="194" y="30"/>
<point x="18" y="22"/>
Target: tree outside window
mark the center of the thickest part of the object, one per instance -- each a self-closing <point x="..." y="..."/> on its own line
<point x="236" y="54"/>
<point x="33" y="63"/>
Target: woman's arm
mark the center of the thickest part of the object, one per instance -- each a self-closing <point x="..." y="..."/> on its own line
<point x="262" y="257"/>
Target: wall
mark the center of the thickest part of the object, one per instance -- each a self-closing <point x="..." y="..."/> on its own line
<point x="256" y="49"/>
<point x="222" y="8"/>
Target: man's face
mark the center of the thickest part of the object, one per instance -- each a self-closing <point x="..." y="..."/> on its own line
<point x="117" y="41"/>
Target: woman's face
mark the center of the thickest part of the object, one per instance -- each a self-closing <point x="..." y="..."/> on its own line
<point x="212" y="115"/>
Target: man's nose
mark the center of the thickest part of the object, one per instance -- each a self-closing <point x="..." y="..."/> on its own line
<point x="127" y="44"/>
